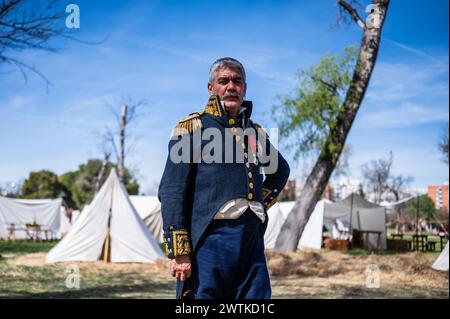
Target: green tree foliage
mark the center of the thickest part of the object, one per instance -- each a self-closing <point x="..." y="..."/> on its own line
<point x="424" y="204"/>
<point x="42" y="184"/>
<point x="81" y="183"/>
<point x="306" y="119"/>
<point x="68" y="181"/>
<point x="77" y="187"/>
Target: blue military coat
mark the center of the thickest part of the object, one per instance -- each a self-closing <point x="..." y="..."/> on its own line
<point x="193" y="189"/>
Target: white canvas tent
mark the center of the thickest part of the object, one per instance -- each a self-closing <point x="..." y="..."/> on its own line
<point x="75" y="215"/>
<point x="441" y="263"/>
<point x="64" y="224"/>
<point x="312" y="234"/>
<point x="364" y="216"/>
<point x="149" y="209"/>
<point x="109" y="229"/>
<point x="20" y="212"/>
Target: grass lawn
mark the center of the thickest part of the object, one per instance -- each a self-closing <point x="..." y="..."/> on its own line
<point x="24" y="247"/>
<point x="24" y="274"/>
<point x="431" y="238"/>
<point x="323" y="274"/>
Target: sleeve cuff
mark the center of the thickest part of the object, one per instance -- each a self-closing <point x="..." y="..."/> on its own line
<point x="269" y="197"/>
<point x="177" y="242"/>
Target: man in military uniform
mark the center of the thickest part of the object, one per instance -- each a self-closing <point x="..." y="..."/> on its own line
<point x="214" y="199"/>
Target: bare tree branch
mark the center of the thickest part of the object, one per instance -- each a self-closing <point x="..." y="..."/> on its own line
<point x="352" y="11"/>
<point x="31" y="24"/>
<point x="109" y="139"/>
<point x="130" y="112"/>
<point x="114" y="112"/>
<point x="106" y="155"/>
<point x="22" y="66"/>
<point x="28" y="25"/>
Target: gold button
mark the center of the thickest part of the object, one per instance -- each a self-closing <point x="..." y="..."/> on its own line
<point x="245" y="155"/>
<point x="275" y="190"/>
<point x="250" y="185"/>
<point x="231" y="121"/>
<point x="243" y="145"/>
<point x="250" y="174"/>
<point x="233" y="129"/>
<point x="250" y="195"/>
<point x="238" y="138"/>
<point x="247" y="165"/>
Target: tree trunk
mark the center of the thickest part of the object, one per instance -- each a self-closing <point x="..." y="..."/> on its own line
<point x="123" y="124"/>
<point x="100" y="173"/>
<point x="316" y="182"/>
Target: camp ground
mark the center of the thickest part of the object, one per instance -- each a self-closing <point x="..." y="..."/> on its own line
<point x="119" y="236"/>
<point x="329" y="120"/>
<point x="366" y="218"/>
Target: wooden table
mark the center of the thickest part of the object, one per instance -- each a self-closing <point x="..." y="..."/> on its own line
<point x="11" y="233"/>
<point x="33" y="232"/>
<point x="419" y="242"/>
<point x="395" y="236"/>
<point x="442" y="237"/>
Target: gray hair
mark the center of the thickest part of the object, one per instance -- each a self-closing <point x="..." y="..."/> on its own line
<point x="226" y="62"/>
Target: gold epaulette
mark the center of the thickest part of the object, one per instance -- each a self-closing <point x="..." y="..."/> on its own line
<point x="188" y="124"/>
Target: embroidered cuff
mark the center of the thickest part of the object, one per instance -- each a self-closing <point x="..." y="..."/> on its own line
<point x="176" y="242"/>
<point x="269" y="197"/>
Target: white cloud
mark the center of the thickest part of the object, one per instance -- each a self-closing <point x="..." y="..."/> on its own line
<point x="394" y="82"/>
<point x="404" y="95"/>
<point x="16" y="102"/>
<point x="407" y="114"/>
<point x="414" y="51"/>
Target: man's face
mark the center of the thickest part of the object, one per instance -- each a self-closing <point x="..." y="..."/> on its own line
<point x="229" y="85"/>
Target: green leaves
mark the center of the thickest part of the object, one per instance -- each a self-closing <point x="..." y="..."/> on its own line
<point x="424" y="205"/>
<point x="76" y="188"/>
<point x="308" y="118"/>
<point x="82" y="183"/>
<point x="42" y="184"/>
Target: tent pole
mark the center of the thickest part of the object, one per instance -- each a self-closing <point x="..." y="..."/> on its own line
<point x="106" y="255"/>
<point x="350" y="227"/>
<point x="107" y="244"/>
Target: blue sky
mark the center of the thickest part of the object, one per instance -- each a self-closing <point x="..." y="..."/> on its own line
<point x="160" y="52"/>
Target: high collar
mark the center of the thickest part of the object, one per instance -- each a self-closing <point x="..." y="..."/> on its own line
<point x="215" y="108"/>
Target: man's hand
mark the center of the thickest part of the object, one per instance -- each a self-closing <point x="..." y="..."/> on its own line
<point x="181" y="267"/>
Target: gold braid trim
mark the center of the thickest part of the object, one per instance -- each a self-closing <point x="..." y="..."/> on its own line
<point x="188" y="124"/>
<point x="181" y="244"/>
<point x="192" y="122"/>
<point x="266" y="198"/>
<point x="266" y="193"/>
<point x="270" y="204"/>
<point x="176" y="242"/>
<point x="213" y="107"/>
